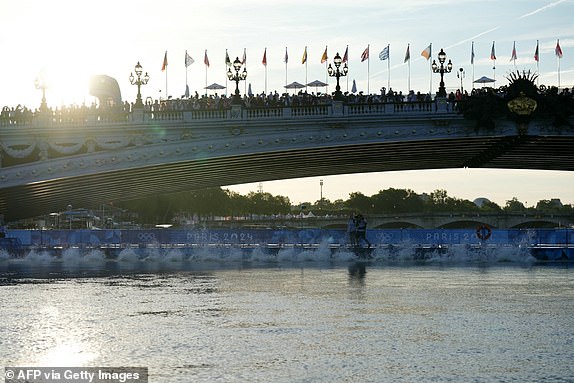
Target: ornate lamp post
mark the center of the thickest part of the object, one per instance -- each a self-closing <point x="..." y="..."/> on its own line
<point x="460" y="75"/>
<point x="40" y="83"/>
<point x="237" y="77"/>
<point x="139" y="81"/>
<point x="442" y="70"/>
<point x="338" y="73"/>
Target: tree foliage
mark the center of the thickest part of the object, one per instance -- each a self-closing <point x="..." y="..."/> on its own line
<point x="212" y="202"/>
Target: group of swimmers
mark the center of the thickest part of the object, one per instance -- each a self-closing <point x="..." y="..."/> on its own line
<point x="357" y="230"/>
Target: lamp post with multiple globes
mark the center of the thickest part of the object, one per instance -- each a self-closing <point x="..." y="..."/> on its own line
<point x="237" y="77"/>
<point x="442" y="70"/>
<point x="40" y="83"/>
<point x="139" y="81"/>
<point x="338" y="73"/>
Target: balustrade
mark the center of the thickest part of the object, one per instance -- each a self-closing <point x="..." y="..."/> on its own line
<point x="83" y="117"/>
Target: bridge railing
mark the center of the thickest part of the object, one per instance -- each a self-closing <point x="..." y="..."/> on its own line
<point x="102" y="116"/>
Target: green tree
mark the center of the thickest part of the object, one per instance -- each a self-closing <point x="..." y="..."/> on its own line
<point x="514" y="206"/>
<point x="359" y="202"/>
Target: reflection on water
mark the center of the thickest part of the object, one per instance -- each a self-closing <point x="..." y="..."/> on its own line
<point x="289" y="322"/>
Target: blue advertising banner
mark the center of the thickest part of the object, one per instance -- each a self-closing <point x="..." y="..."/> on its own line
<point x="286" y="236"/>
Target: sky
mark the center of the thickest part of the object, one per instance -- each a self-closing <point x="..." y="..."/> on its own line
<point x="68" y="41"/>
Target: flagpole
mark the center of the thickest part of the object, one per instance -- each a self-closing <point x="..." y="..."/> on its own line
<point x="265" y="70"/>
<point x="286" y="61"/>
<point x="347" y="50"/>
<point x="389" y="66"/>
<point x="430" y="70"/>
<point x="226" y="64"/>
<point x="493" y="57"/>
<point x="306" y="60"/>
<point x="186" y="66"/>
<point x="326" y="71"/>
<point x="558" y="72"/>
<point x="409" y="64"/>
<point x="472" y="62"/>
<point x="205" y="63"/>
<point x="245" y="63"/>
<point x="537" y="64"/>
<point x="368" y="69"/>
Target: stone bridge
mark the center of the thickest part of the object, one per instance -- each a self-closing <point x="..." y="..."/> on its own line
<point x="50" y="162"/>
<point x="427" y="221"/>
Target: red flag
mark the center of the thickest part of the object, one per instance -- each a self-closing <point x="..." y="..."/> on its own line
<point x="536" y="57"/>
<point x="558" y="50"/>
<point x="205" y="59"/>
<point x="264" y="61"/>
<point x="164" y="66"/>
<point x="365" y="54"/>
<point x="346" y="55"/>
<point x="513" y="56"/>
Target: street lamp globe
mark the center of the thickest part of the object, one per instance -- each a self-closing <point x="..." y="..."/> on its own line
<point x="337" y="60"/>
<point x="441" y="56"/>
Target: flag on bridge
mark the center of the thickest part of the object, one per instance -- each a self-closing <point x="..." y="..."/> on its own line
<point x="264" y="61"/>
<point x="205" y="59"/>
<point x="304" y="59"/>
<point x="346" y="55"/>
<point x="365" y="54"/>
<point x="286" y="58"/>
<point x="164" y="66"/>
<point x="408" y="54"/>
<point x="324" y="57"/>
<point x="188" y="60"/>
<point x="536" y="54"/>
<point x="427" y="52"/>
<point x="227" y="60"/>
<point x="513" y="56"/>
<point x="492" y="53"/>
<point x="384" y="55"/>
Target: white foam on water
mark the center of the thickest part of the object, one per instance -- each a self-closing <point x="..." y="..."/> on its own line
<point x="325" y="252"/>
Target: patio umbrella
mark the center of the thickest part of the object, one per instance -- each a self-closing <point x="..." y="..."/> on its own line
<point x="317" y="84"/>
<point x="249" y="92"/>
<point x="354" y="88"/>
<point x="214" y="86"/>
<point x="294" y="85"/>
<point x="484" y="80"/>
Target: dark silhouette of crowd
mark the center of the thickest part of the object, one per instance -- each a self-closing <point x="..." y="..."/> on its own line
<point x="21" y="115"/>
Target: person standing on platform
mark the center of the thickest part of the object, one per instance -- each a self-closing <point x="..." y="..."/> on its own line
<point x="361" y="224"/>
<point x="352" y="230"/>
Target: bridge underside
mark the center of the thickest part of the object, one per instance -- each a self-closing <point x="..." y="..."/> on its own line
<point x="525" y="152"/>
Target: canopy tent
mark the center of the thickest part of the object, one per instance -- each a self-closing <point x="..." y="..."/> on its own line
<point x="214" y="86"/>
<point x="294" y="85"/>
<point x="484" y="80"/>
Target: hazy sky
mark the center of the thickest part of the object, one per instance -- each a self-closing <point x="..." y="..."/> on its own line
<point x="69" y="40"/>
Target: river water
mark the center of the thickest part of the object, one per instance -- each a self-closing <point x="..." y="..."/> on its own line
<point x="283" y="321"/>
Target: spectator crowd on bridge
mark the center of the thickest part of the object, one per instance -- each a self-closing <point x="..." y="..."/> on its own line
<point x="22" y="115"/>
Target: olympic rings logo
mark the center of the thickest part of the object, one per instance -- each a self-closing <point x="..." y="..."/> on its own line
<point x="146" y="237"/>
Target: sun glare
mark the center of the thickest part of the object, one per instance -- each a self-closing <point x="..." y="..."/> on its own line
<point x="65" y="86"/>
